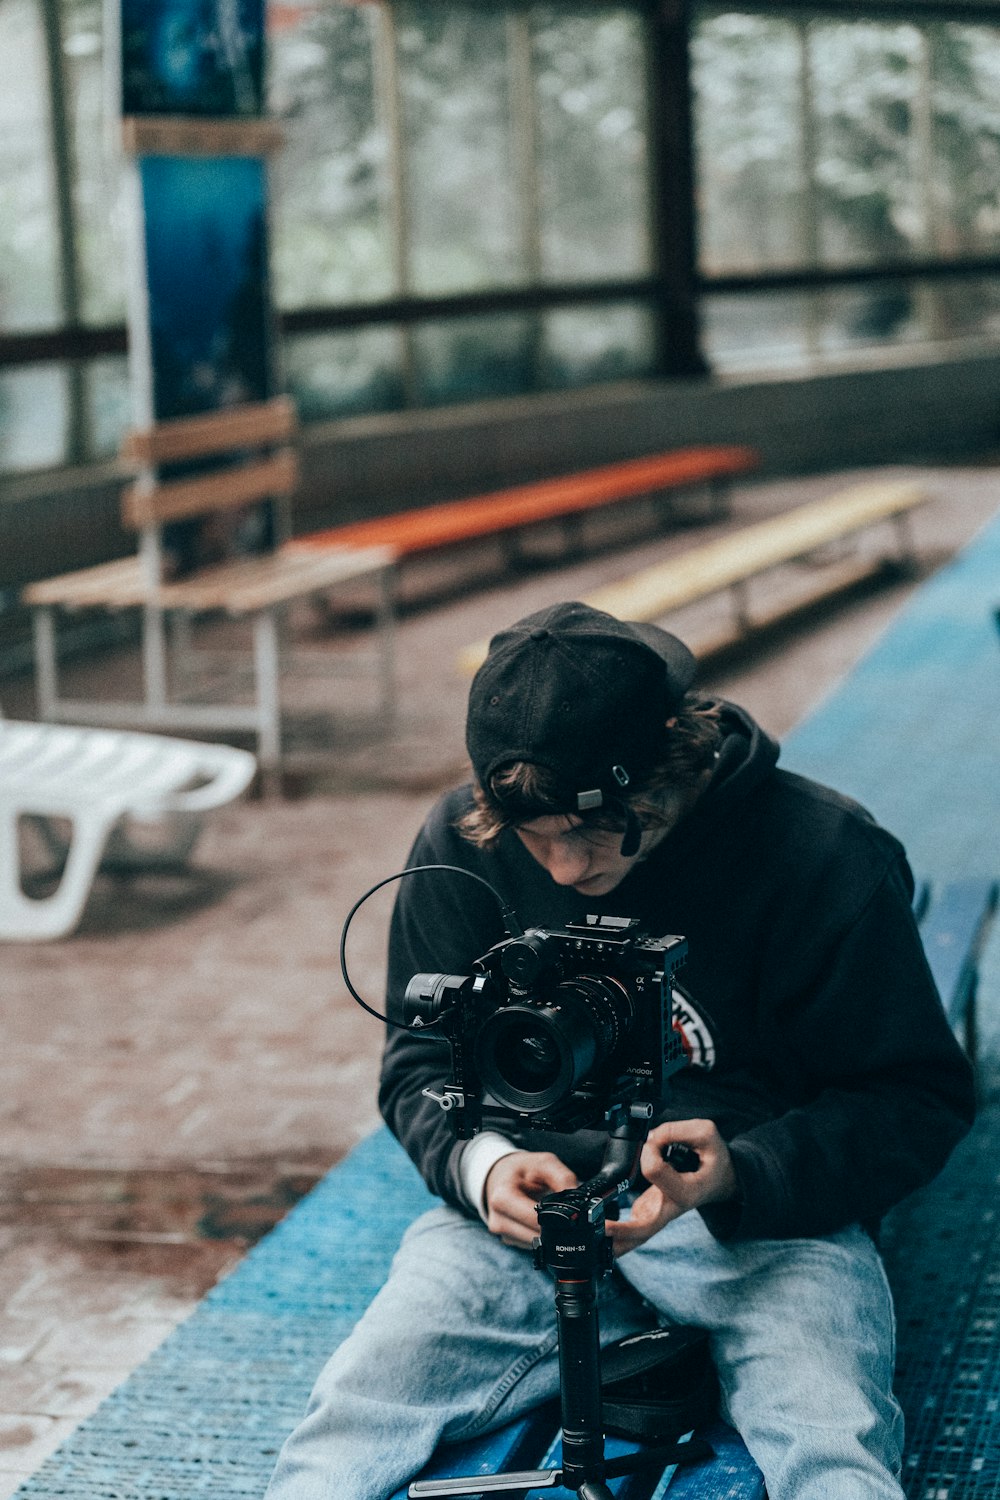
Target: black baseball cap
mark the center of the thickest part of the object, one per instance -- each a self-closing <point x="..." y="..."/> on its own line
<point x="580" y="693"/>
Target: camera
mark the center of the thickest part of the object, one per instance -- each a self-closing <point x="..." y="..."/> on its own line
<point x="559" y="1029"/>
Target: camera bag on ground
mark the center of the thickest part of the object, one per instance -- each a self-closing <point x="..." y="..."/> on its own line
<point x="657" y="1385"/>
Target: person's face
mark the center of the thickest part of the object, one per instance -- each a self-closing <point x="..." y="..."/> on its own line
<point x="588" y="859"/>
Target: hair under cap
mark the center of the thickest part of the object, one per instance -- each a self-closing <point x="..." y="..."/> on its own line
<point x="581" y="693"/>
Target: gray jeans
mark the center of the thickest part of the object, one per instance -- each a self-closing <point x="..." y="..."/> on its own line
<point x="462" y="1339"/>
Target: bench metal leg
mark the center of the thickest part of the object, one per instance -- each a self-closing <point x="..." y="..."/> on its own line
<point x="266" y="686"/>
<point x="573" y="537"/>
<point x="385" y="627"/>
<point x="903" y="525"/>
<point x="154" y="656"/>
<point x="740" y="593"/>
<point x="720" y="494"/>
<point x="182" y="641"/>
<point x="46" y="661"/>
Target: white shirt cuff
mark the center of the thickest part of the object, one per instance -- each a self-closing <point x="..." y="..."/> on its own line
<point x="482" y="1153"/>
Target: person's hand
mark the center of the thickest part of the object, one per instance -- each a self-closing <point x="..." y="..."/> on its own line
<point x="514" y="1186"/>
<point x="671" y="1193"/>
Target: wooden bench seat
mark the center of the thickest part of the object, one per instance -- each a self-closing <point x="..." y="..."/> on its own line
<point x="729" y="562"/>
<point x="515" y="509"/>
<point x="235" y="589"/>
<point x="259" y="466"/>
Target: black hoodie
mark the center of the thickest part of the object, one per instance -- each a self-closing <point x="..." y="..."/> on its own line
<point x="817" y="1040"/>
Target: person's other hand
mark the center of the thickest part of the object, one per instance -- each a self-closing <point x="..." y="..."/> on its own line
<point x="514" y="1186"/>
<point x="671" y="1193"/>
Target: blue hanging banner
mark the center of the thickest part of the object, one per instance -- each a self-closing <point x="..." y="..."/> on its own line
<point x="206" y="279"/>
<point x="191" y="91"/>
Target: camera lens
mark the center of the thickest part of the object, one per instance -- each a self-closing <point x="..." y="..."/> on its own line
<point x="531" y="1055"/>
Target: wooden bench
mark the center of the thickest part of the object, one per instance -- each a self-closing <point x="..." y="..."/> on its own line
<point x="101" y="783"/>
<point x="260" y="466"/>
<point x="207" y="1412"/>
<point x="730" y="562"/>
<point x="509" y="513"/>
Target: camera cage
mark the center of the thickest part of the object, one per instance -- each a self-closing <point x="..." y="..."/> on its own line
<point x="572" y="1245"/>
<point x="556" y="1029"/>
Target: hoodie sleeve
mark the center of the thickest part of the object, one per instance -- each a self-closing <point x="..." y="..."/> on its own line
<point x="886" y="1092"/>
<point x="442" y="922"/>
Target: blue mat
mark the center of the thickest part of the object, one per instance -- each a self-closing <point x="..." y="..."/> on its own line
<point x="914" y="733"/>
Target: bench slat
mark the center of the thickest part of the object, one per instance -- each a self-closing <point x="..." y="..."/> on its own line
<point x="702" y="571"/>
<point x="523" y="505"/>
<point x="222" y="489"/>
<point x="250" y="426"/>
<point x="753" y="549"/>
<point x="239" y="588"/>
<point x="113" y="585"/>
<point x="257" y="583"/>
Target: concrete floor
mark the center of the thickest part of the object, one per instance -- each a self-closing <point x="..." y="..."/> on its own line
<point x="183" y="1067"/>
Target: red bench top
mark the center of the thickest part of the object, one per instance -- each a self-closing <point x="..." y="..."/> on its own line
<point x="460" y="520"/>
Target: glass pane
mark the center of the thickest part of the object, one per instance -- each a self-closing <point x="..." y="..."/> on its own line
<point x="966" y="188"/>
<point x="870" y="154"/>
<point x="588" y="344"/>
<point x="760" y="331"/>
<point x="747" y="109"/>
<point x="961" y="309"/>
<point x="97" y="168"/>
<point x="469" y="359"/>
<point x="890" y="314"/>
<point x="590" y="82"/>
<point x="462" y="221"/>
<point x="33" y="417"/>
<point x="108" y="405"/>
<point x="331" y="230"/>
<point x="340" y="374"/>
<point x="879" y="316"/>
<point x="757" y="331"/>
<point x="29" y="282"/>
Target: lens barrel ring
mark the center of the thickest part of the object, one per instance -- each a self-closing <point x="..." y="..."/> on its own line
<point x="532" y="1054"/>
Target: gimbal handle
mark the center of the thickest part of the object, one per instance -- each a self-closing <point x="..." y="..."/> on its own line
<point x="573" y="1246"/>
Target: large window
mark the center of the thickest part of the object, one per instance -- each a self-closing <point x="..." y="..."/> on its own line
<point x="462" y="209"/>
<point x="848" y="184"/>
<point x="464" y="201"/>
<point x="477" y="200"/>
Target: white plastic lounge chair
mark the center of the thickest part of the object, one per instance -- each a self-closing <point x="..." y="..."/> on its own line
<point x="101" y="781"/>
